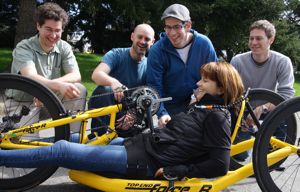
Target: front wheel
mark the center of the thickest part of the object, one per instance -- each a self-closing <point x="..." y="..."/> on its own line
<point x="24" y="102"/>
<point x="286" y="175"/>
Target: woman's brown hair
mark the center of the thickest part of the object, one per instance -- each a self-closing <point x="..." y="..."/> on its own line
<point x="226" y="77"/>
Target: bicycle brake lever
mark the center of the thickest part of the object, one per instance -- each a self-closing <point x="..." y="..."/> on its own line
<point x="247" y="93"/>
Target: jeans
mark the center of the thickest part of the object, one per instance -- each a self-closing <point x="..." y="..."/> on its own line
<point x="107" y="158"/>
<point x="100" y="123"/>
<point x="75" y="105"/>
<point x="74" y="138"/>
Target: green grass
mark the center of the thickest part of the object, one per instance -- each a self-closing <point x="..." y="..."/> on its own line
<point x="87" y="63"/>
<point x="5" y="59"/>
<point x="297" y="84"/>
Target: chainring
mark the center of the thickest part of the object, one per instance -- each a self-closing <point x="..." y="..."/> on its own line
<point x="146" y="92"/>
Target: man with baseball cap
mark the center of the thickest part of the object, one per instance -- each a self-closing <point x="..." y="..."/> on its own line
<point x="174" y="62"/>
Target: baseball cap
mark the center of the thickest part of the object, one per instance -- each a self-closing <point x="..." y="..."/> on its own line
<point x="177" y="11"/>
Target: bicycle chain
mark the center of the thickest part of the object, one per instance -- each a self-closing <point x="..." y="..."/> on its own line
<point x="135" y="88"/>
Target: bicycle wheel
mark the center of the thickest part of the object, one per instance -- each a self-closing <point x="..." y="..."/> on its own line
<point x="17" y="108"/>
<point x="285" y="178"/>
<point x="257" y="98"/>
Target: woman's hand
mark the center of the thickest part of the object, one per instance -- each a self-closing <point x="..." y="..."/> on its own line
<point x="163" y="120"/>
<point x="159" y="172"/>
<point x="199" y="93"/>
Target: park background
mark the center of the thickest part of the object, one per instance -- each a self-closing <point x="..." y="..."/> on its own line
<point x="96" y="26"/>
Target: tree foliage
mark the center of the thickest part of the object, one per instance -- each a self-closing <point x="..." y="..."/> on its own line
<point x="26" y="26"/>
<point x="8" y="21"/>
<point x="108" y="23"/>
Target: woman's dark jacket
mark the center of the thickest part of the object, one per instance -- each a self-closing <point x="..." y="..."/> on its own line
<point x="194" y="144"/>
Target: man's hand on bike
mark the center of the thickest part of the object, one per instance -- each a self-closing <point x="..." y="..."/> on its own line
<point x="68" y="90"/>
<point x="127" y="121"/>
<point x="118" y="89"/>
<point x="37" y="103"/>
<point x="258" y="111"/>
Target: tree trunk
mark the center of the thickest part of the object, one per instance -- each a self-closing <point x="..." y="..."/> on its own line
<point x="26" y="26"/>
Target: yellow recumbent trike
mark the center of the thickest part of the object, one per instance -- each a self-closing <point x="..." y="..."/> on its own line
<point x="24" y="125"/>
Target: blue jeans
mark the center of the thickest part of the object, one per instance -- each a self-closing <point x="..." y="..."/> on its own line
<point x="107" y="158"/>
<point x="100" y="124"/>
<point x="98" y="102"/>
<point x="74" y="138"/>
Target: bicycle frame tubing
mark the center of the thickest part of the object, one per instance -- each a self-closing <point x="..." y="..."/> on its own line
<point x="104" y="139"/>
<point x="82" y="116"/>
<point x="194" y="184"/>
<point x="108" y="184"/>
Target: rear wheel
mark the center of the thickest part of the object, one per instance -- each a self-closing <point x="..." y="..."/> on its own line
<point x="287" y="176"/>
<point x="24" y="102"/>
<point x="257" y="98"/>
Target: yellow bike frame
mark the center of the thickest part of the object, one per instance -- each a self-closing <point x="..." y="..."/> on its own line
<point x="112" y="184"/>
<point x="189" y="184"/>
<point x="7" y="140"/>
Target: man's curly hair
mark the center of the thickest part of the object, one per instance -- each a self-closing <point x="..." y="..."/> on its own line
<point x="51" y="11"/>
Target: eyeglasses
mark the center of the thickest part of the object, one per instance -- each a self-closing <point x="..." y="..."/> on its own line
<point x="48" y="30"/>
<point x="178" y="27"/>
<point x="258" y="38"/>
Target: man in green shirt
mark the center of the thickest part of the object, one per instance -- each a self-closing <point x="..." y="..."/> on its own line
<point x="49" y="60"/>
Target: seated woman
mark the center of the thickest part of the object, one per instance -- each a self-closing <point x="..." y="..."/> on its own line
<point x="194" y="144"/>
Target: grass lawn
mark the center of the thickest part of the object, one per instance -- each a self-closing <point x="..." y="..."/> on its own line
<point x="5" y="59"/>
<point x="87" y="63"/>
<point x="297" y="84"/>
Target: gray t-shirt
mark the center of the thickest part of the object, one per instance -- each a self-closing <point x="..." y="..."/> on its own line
<point x="276" y="74"/>
<point x="49" y="65"/>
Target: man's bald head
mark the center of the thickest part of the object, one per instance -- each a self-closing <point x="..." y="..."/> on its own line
<point x="142" y="39"/>
<point x="145" y="28"/>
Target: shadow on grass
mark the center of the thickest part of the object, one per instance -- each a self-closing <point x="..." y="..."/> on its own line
<point x="5" y="60"/>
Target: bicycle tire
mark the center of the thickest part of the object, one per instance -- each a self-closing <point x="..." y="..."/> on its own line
<point x="268" y="178"/>
<point x="260" y="95"/>
<point x="54" y="109"/>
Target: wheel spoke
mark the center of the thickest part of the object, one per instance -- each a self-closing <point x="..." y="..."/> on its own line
<point x="18" y="108"/>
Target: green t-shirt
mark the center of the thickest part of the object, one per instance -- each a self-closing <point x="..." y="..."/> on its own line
<point x="49" y="65"/>
<point x="28" y="52"/>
